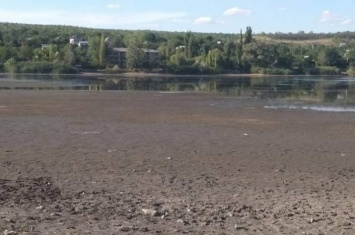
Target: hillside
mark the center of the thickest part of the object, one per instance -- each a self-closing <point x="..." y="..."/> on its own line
<point x="52" y="48"/>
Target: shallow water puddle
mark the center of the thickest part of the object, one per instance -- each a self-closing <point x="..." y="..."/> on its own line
<point x="315" y="108"/>
<point x="85" y="132"/>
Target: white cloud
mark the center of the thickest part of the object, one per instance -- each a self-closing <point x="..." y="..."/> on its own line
<point x="347" y="21"/>
<point x="204" y="20"/>
<point x="88" y="19"/>
<point x="334" y="19"/>
<point x="113" y="6"/>
<point x="183" y="21"/>
<point x="207" y="20"/>
<point x="237" y="11"/>
<point x="328" y="17"/>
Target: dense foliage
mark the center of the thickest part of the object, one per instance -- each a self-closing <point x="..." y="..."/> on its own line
<point x="22" y="50"/>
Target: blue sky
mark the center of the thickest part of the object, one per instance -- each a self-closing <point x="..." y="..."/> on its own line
<point x="226" y="16"/>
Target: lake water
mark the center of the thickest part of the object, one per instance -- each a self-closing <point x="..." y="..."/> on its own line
<point x="327" y="94"/>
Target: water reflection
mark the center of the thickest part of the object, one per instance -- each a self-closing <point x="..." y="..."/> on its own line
<point x="311" y="90"/>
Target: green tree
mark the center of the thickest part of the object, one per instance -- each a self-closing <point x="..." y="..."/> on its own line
<point x="81" y="56"/>
<point x="351" y="70"/>
<point x="135" y="56"/>
<point x="69" y="55"/>
<point x="94" y="48"/>
<point x="6" y="53"/>
<point x="51" y="53"/>
<point x="215" y="58"/>
<point x="10" y="65"/>
<point x="284" y="57"/>
<point x="190" y="45"/>
<point x="25" y="52"/>
<point x="248" y="35"/>
<point x="102" y="51"/>
<point x="239" y="51"/>
<point x="227" y="54"/>
<point x="328" y="57"/>
<point x="179" y="59"/>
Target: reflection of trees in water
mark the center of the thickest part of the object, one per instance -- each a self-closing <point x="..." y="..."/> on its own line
<point x="294" y="88"/>
<point x="304" y="89"/>
<point x="176" y="84"/>
<point x="335" y="92"/>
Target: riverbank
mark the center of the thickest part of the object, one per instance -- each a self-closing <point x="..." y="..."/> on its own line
<point x="145" y="74"/>
<point x="142" y="74"/>
<point x="80" y="162"/>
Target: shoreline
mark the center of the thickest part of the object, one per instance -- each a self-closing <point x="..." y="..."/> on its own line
<point x="140" y="74"/>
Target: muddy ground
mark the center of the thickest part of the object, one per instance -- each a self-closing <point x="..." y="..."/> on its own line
<point x="76" y="162"/>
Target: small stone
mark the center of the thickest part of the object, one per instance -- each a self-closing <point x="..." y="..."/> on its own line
<point x="6" y="232"/>
<point x="56" y="214"/>
<point x="343" y="223"/>
<point x="39" y="208"/>
<point x="238" y="227"/>
<point x="180" y="221"/>
<point x="150" y="212"/>
<point x="10" y="221"/>
<point x="168" y="158"/>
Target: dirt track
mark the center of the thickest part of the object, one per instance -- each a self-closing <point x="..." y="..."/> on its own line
<point x="154" y="163"/>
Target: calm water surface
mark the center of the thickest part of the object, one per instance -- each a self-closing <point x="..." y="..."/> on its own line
<point x="327" y="94"/>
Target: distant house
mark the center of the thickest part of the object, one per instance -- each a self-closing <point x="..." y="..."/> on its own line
<point x="83" y="44"/>
<point x="118" y="57"/>
<point x="46" y="46"/>
<point x="74" y="40"/>
<point x="153" y="57"/>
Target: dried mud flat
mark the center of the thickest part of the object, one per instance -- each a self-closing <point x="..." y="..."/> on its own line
<point x="154" y="163"/>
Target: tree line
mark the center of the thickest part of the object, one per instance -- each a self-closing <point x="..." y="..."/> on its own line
<point x="21" y="50"/>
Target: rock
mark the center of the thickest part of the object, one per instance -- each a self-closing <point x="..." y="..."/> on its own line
<point x="180" y="221"/>
<point x="39" y="208"/>
<point x="6" y="232"/>
<point x="150" y="212"/>
<point x="168" y="158"/>
<point x="239" y="227"/>
<point x="56" y="214"/>
<point x="343" y="223"/>
<point x="10" y="221"/>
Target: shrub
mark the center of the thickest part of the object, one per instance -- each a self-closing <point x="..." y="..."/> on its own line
<point x="328" y="70"/>
<point x="45" y="67"/>
<point x="61" y="68"/>
<point x="188" y="70"/>
<point x="11" y="66"/>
